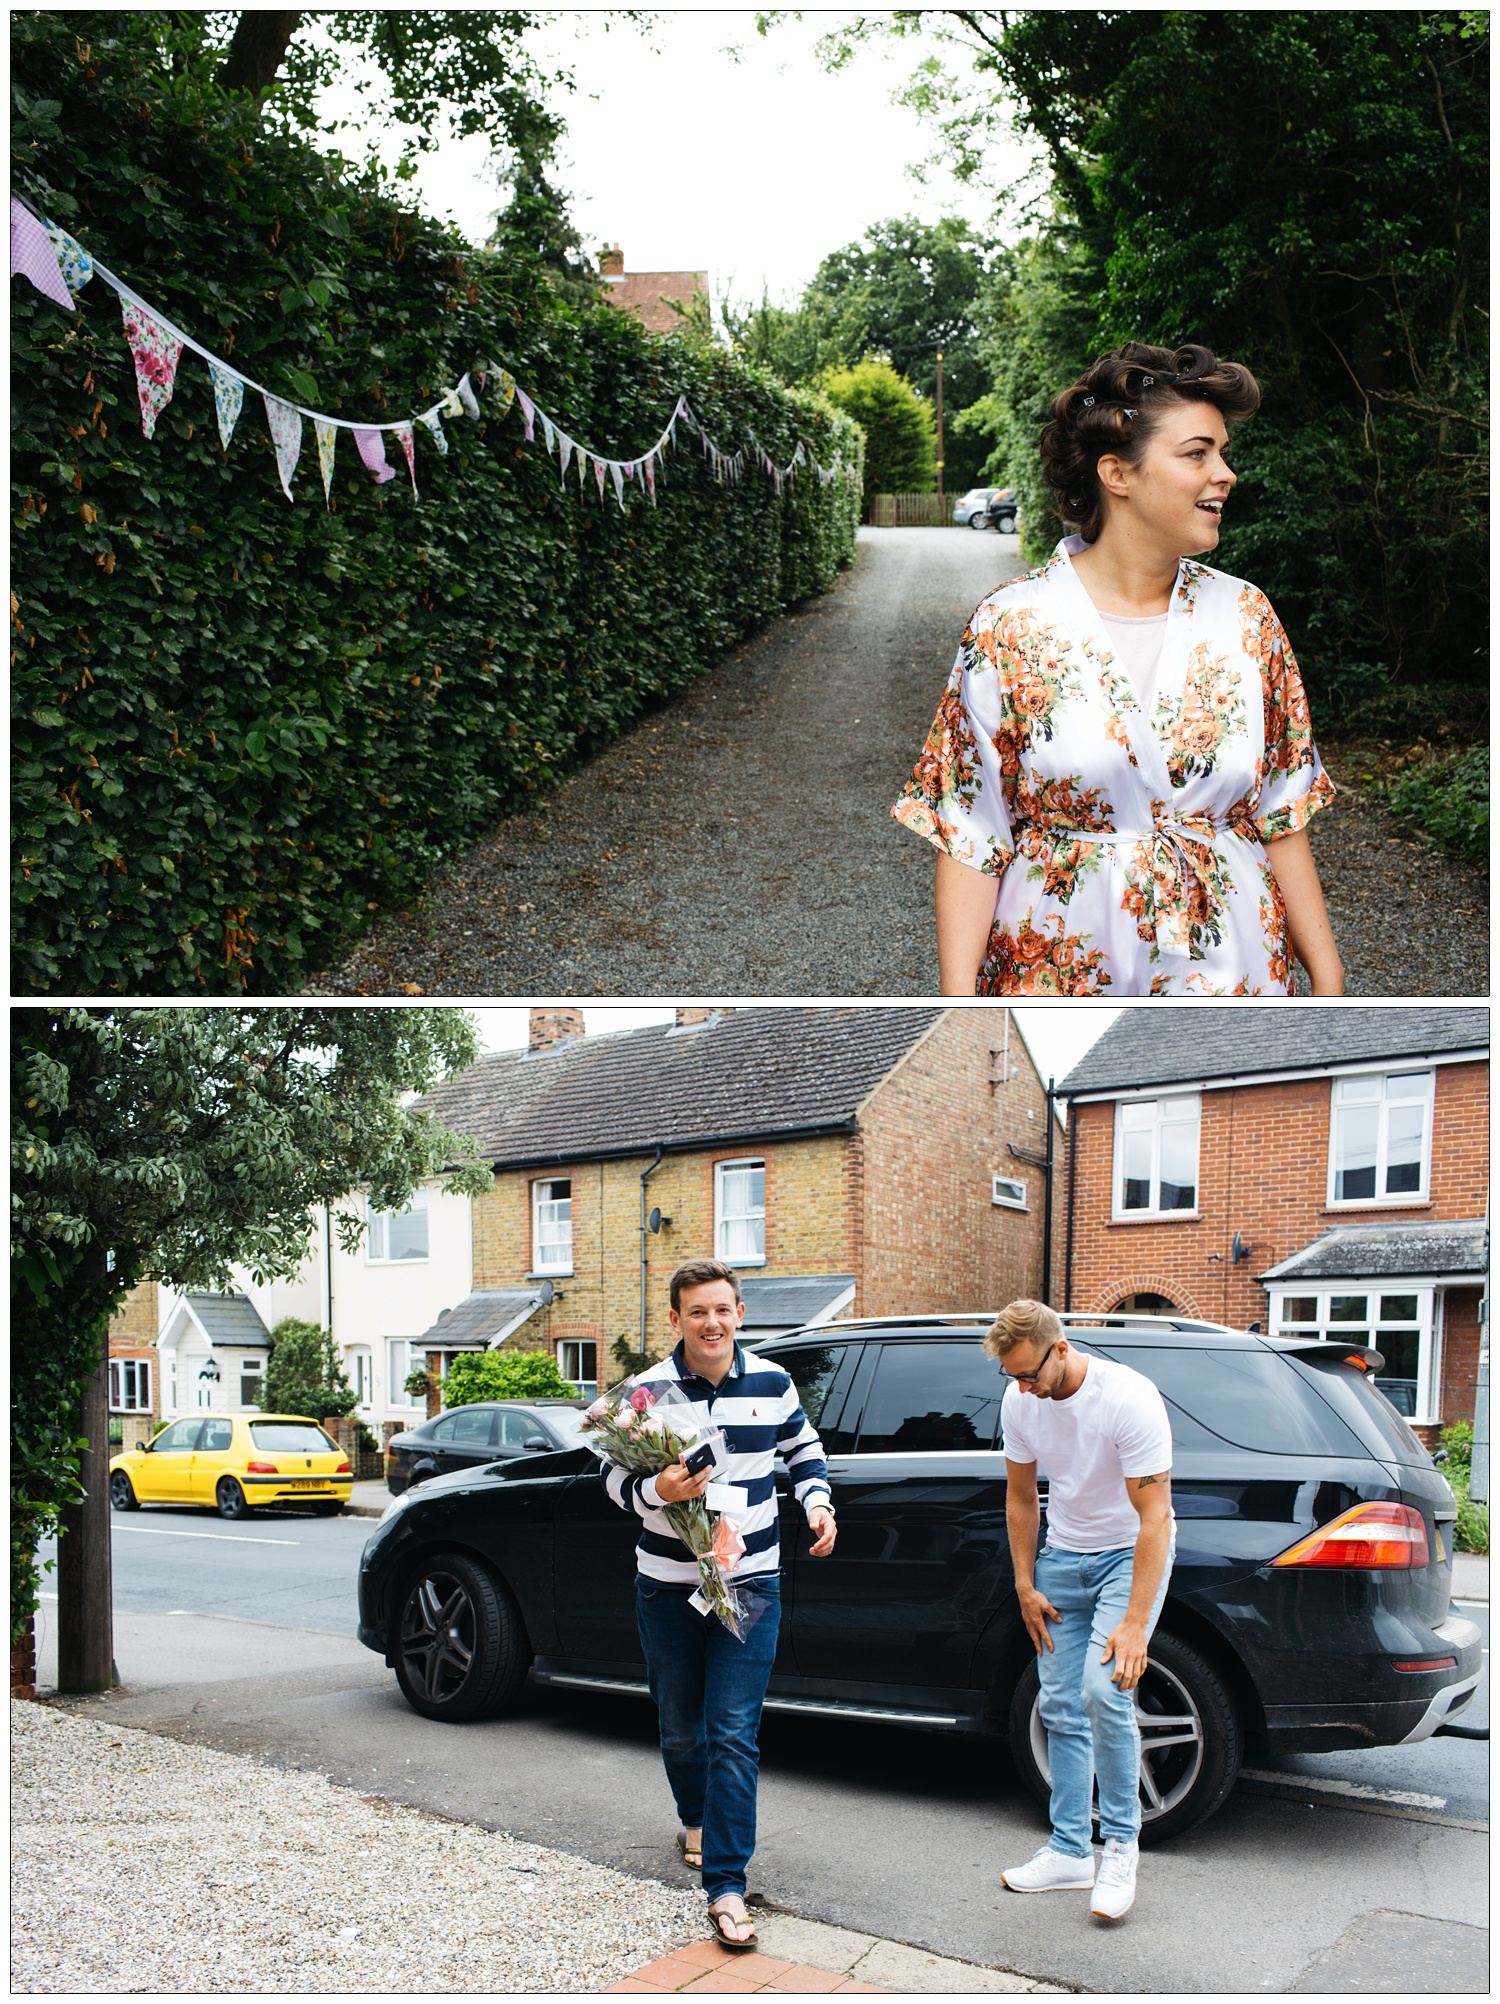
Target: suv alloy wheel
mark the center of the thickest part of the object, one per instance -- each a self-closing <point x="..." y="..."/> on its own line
<point x="460" y="1649"/>
<point x="1191" y="1740"/>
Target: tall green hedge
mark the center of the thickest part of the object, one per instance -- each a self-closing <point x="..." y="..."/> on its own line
<point x="240" y="726"/>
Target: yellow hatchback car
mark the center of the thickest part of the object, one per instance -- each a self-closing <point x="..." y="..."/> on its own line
<point x="234" y="1462"/>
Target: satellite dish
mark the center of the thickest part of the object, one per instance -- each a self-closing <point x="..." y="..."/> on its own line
<point x="656" y="1221"/>
<point x="1239" y="1250"/>
<point x="546" y="1293"/>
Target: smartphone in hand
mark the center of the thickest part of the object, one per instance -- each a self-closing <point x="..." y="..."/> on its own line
<point x="699" y="1458"/>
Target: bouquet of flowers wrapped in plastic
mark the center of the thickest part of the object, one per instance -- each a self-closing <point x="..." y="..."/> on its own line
<point x="647" y="1428"/>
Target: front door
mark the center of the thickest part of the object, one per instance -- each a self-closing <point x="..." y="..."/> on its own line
<point x="165" y="1472"/>
<point x="922" y="1558"/>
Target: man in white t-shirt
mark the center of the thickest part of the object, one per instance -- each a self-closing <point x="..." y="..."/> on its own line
<point x="1099" y="1432"/>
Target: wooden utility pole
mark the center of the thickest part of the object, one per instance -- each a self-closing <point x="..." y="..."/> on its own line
<point x="85" y="1584"/>
<point x="940" y="433"/>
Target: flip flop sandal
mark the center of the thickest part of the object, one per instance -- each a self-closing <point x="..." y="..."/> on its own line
<point x="716" y="1919"/>
<point x="692" y="1854"/>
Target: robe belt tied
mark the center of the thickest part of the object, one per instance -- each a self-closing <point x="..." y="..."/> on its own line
<point x="1181" y="850"/>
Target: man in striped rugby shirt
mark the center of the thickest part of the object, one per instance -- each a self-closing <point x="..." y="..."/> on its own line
<point x="709" y="1688"/>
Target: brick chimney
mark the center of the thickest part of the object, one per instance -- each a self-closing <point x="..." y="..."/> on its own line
<point x="611" y="262"/>
<point x="554" y="1026"/>
<point x="687" y="1017"/>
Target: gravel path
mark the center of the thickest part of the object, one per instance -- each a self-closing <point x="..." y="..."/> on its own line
<point x="738" y="842"/>
<point x="140" y="1864"/>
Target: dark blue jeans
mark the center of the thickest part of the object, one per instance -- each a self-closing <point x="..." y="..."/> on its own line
<point x="709" y="1690"/>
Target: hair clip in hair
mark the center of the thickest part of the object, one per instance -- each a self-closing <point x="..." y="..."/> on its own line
<point x="1128" y="412"/>
<point x="1087" y="401"/>
<point x="1147" y="381"/>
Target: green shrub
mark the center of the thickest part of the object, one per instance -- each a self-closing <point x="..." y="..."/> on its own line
<point x="304" y="1374"/>
<point x="1471" y="1533"/>
<point x="496" y="1374"/>
<point x="241" y="726"/>
<point x="1450" y="798"/>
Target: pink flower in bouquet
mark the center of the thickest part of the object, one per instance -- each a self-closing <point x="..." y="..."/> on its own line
<point x="642" y="1399"/>
<point x="728" y="1546"/>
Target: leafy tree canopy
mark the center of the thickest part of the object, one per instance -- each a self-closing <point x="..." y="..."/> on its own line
<point x="898" y="425"/>
<point x="304" y="1374"/>
<point x="179" y="1144"/>
<point x="499" y="1374"/>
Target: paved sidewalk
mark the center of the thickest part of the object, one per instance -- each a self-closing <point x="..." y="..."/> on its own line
<point x="805" y="1958"/>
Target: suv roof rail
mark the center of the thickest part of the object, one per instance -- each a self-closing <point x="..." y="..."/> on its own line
<point x="1113" y="1318"/>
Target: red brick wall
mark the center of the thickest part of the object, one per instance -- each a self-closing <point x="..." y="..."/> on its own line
<point x="1263" y="1171"/>
<point x="925" y="1232"/>
<point x="1460" y="1370"/>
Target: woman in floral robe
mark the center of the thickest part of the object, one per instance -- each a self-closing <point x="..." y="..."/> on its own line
<point x="1092" y="842"/>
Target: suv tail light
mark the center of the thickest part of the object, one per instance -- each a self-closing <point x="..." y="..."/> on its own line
<point x="1370" y="1535"/>
<point x="261" y="1468"/>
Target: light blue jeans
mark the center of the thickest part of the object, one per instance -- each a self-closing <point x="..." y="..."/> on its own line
<point x="1090" y="1721"/>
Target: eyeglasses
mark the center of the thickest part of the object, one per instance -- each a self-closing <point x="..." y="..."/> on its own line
<point x="1030" y="1377"/>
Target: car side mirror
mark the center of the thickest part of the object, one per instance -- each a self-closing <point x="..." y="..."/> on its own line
<point x="536" y="1447"/>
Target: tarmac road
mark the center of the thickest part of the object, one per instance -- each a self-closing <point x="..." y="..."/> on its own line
<point x="738" y="842"/>
<point x="894" y="1834"/>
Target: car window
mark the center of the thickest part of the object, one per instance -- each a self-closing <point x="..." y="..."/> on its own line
<point x="290" y="1437"/>
<point x="444" y="1428"/>
<point x="474" y="1426"/>
<point x="1251" y="1398"/>
<point x="217" y="1435"/>
<point x="821" y="1373"/>
<point x="178" y="1437"/>
<point x="931" y="1397"/>
<point x="516" y="1429"/>
<point x="1368" y="1411"/>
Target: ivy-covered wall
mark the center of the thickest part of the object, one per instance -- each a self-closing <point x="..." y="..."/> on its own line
<point x="241" y="726"/>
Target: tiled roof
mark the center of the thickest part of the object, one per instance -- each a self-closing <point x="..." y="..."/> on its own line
<point x="1375" y="1252"/>
<point x="1167" y="1043"/>
<point x="743" y="1075"/>
<point x="480" y="1318"/>
<point x="230" y="1320"/>
<point x="787" y="1301"/>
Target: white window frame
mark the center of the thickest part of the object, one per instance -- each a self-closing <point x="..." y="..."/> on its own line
<point x="377" y="1239"/>
<point x="1325" y="1330"/>
<point x="396" y="1394"/>
<point x="251" y="1367"/>
<point x="130" y="1384"/>
<point x="1009" y="1192"/>
<point x="586" y="1387"/>
<point x="1421" y="1092"/>
<point x="553" y="1262"/>
<point x="359" y="1362"/>
<point x="724" y="1219"/>
<point x="1124" y="1126"/>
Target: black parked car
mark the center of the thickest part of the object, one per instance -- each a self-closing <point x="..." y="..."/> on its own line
<point x="1308" y="1610"/>
<point x="472" y="1436"/>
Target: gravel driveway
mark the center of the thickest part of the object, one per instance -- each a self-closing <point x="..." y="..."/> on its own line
<point x="738" y="842"/>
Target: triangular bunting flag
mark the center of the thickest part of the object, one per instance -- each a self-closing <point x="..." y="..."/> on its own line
<point x="434" y="425"/>
<point x="505" y="389"/>
<point x="327" y="435"/>
<point x="547" y="432"/>
<point x="77" y="265"/>
<point x="599" y="476"/>
<point x="229" y="397"/>
<point x="371" y="445"/>
<point x="528" y="411"/>
<point x="467" y="398"/>
<point x="564" y="454"/>
<point x="407" y="437"/>
<point x="286" y="434"/>
<point x="616" y="474"/>
<point x="34" y="256"/>
<point x="156" y="354"/>
<point x="649" y="472"/>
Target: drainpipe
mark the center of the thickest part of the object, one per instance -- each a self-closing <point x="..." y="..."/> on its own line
<point x="328" y="1261"/>
<point x="650" y="1170"/>
<point x="1047" y="1198"/>
<point x="1072" y="1187"/>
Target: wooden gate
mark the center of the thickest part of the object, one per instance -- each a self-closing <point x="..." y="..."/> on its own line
<point x="911" y="511"/>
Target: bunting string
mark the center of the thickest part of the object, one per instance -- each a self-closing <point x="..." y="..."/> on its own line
<point x="59" y="267"/>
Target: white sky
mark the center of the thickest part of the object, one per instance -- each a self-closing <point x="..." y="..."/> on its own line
<point x="1057" y="1033"/>
<point x="751" y="169"/>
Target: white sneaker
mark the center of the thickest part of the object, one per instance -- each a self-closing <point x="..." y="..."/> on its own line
<point x="1114" y="1889"/>
<point x="1050" y="1872"/>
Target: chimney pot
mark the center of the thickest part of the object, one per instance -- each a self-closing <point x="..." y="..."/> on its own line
<point x="554" y="1026"/>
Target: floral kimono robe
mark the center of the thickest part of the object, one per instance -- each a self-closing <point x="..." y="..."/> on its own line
<point x="1128" y="850"/>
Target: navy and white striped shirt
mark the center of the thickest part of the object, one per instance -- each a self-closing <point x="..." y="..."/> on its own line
<point x="757" y="1409"/>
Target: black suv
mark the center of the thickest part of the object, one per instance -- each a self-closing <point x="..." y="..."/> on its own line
<point x="1308" y="1607"/>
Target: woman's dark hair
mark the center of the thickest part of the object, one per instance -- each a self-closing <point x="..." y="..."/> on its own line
<point x="1117" y="405"/>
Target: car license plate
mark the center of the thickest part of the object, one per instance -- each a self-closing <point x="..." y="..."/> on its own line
<point x="320" y="1483"/>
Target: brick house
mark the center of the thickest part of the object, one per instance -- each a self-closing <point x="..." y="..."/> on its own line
<point x="1318" y="1171"/>
<point x="846" y="1161"/>
<point x="658" y="299"/>
<point x="134" y="1388"/>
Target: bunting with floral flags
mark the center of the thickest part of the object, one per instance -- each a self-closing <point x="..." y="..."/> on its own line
<point x="60" y="267"/>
